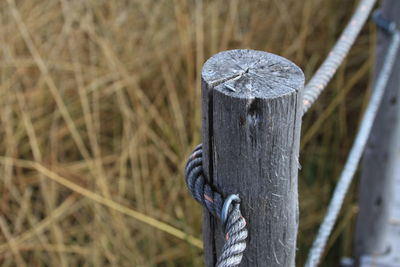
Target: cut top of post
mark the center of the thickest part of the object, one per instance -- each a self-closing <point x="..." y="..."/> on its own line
<point x="252" y="74"/>
<point x="252" y="107"/>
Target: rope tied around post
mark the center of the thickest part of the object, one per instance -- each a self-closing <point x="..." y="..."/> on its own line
<point x="250" y="100"/>
<point x="227" y="210"/>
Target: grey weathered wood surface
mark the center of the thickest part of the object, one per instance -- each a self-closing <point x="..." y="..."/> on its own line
<point x="252" y="107"/>
<point x="378" y="222"/>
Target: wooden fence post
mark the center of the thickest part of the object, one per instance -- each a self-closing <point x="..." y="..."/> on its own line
<point x="252" y="108"/>
<point x="378" y="224"/>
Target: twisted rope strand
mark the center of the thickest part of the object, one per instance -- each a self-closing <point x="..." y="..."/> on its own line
<point x="335" y="58"/>
<point x="354" y="157"/>
<point x="235" y="225"/>
<point x="236" y="234"/>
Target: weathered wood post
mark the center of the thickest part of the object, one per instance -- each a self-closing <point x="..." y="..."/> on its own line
<point x="378" y="224"/>
<point x="252" y="108"/>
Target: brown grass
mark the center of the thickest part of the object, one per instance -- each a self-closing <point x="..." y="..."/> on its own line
<point x="100" y="106"/>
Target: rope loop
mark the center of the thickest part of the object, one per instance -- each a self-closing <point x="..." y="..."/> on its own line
<point x="227" y="210"/>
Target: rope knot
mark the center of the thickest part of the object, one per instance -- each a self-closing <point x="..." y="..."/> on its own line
<point x="227" y="210"/>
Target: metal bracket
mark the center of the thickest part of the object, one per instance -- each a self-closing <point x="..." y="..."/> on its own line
<point x="385" y="24"/>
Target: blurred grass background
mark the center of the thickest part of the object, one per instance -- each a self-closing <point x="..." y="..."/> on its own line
<point x="100" y="106"/>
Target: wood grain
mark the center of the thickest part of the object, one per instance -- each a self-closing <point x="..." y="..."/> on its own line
<point x="252" y="107"/>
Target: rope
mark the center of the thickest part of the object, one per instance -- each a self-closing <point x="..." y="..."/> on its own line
<point x="354" y="157"/>
<point x="235" y="225"/>
<point x="227" y="210"/>
<point x="329" y="67"/>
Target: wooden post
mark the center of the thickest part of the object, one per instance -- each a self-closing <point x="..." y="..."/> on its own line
<point x="252" y="108"/>
<point x="378" y="224"/>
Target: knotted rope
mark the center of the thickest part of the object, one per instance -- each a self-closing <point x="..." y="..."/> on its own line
<point x="227" y="210"/>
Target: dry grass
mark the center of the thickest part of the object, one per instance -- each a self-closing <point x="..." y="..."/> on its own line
<point x="100" y="105"/>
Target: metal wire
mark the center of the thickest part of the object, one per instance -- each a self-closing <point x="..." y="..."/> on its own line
<point x="354" y="157"/>
<point x="329" y="67"/>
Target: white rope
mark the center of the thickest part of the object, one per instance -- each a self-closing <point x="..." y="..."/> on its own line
<point x="354" y="157"/>
<point x="335" y="58"/>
